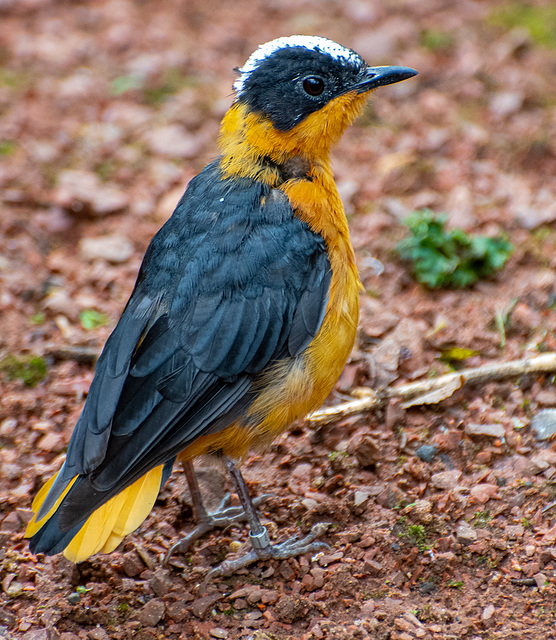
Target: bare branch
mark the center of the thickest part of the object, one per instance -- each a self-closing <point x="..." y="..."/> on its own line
<point x="434" y="390"/>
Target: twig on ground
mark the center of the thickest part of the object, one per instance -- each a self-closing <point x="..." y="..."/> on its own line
<point x="524" y="582"/>
<point x="433" y="390"/>
<point x="85" y="355"/>
<point x="549" y="507"/>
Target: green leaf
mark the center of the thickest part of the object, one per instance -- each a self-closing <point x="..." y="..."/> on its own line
<point x="456" y="354"/>
<point x="82" y="590"/>
<point x="436" y="40"/>
<point x="7" y="147"/>
<point x="30" y="369"/>
<point x="38" y="318"/>
<point x="91" y="319"/>
<point x="125" y="83"/>
<point x="540" y="21"/>
<point x="441" y="257"/>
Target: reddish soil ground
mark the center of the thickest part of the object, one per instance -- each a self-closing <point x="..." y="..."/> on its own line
<point x="107" y="109"/>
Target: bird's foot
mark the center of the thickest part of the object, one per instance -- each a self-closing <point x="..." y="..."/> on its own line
<point x="223" y="517"/>
<point x="264" y="550"/>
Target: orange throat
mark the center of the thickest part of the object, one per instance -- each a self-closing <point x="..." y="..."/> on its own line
<point x="247" y="138"/>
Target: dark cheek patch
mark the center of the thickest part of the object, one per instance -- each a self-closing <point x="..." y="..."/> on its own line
<point x="285" y="109"/>
<point x="275" y="88"/>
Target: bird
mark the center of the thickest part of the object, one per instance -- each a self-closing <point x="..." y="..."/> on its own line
<point x="242" y="317"/>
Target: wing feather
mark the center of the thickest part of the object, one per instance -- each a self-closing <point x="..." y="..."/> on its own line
<point x="227" y="286"/>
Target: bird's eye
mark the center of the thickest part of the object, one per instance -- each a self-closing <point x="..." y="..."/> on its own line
<point x="313" y="85"/>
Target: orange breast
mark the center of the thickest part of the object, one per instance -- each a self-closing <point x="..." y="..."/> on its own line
<point x="293" y="387"/>
<point x="297" y="386"/>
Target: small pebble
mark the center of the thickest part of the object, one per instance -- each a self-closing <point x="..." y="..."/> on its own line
<point x="244" y="591"/>
<point x="200" y="607"/>
<point x="151" y="613"/>
<point x="217" y="632"/>
<point x="427" y="587"/>
<point x="541" y="580"/>
<point x="286" y="571"/>
<point x="543" y="424"/>
<point x="367" y="451"/>
<point x="488" y="612"/>
<point x="318" y="574"/>
<point x="426" y="452"/>
<point x="160" y="582"/>
<point x="490" y="430"/>
<point x="177" y="611"/>
<point x="409" y="615"/>
<point x="34" y="634"/>
<point x="504" y="103"/>
<point x="327" y="559"/>
<point x="308" y="582"/>
<point x="446" y="479"/>
<point x="268" y="573"/>
<point x="367" y="609"/>
<point x="240" y="603"/>
<point x="422" y="509"/>
<point x="132" y="564"/>
<point x="514" y="531"/>
<point x="360" y="497"/>
<point x="466" y="534"/>
<point x="253" y="615"/>
<point x="309" y="504"/>
<point x="128" y="584"/>
<point x="112" y="248"/>
<point x="255" y="596"/>
<point x="74" y="598"/>
<point x="483" y="492"/>
<point x="269" y="596"/>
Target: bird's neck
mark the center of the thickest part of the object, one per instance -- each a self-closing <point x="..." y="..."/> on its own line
<point x="252" y="147"/>
<point x="298" y="163"/>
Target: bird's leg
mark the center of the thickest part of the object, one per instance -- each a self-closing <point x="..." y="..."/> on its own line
<point x="200" y="514"/>
<point x="222" y="517"/>
<point x="258" y="535"/>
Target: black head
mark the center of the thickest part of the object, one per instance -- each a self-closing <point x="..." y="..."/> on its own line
<point x="289" y="78"/>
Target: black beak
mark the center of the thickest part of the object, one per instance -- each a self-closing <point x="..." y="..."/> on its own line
<point x="380" y="76"/>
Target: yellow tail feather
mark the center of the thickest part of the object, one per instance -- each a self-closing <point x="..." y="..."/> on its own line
<point x="135" y="509"/>
<point x="34" y="525"/>
<point x="122" y="514"/>
<point x="108" y="525"/>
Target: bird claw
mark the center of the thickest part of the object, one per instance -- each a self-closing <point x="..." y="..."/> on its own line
<point x="223" y="517"/>
<point x="288" y="549"/>
<point x="226" y="515"/>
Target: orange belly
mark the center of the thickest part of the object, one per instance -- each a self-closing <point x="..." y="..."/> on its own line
<point x="291" y="388"/>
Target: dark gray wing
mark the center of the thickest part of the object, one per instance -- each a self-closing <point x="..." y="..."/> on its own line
<point x="233" y="282"/>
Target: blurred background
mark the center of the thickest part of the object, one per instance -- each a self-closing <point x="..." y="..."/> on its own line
<point x="108" y="108"/>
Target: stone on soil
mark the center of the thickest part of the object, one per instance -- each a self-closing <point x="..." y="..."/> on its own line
<point x="488" y="612"/>
<point x="426" y="452"/>
<point x="489" y="430"/>
<point x="151" y="613"/>
<point x="112" y="248"/>
<point x="466" y="534"/>
<point x="543" y="424"/>
<point x="446" y="479"/>
<point x="200" y="607"/>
